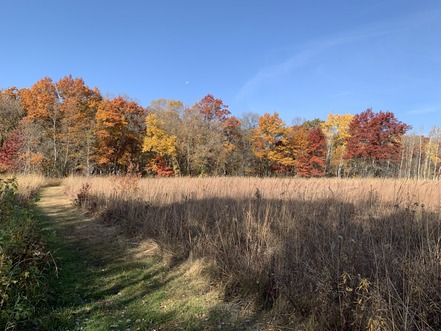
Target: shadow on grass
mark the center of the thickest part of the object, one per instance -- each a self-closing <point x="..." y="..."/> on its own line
<point x="97" y="280"/>
<point x="100" y="284"/>
<point x="297" y="258"/>
<point x="326" y="261"/>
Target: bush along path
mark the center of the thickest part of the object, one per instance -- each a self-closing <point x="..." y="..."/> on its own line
<point x="23" y="260"/>
<point x="106" y="282"/>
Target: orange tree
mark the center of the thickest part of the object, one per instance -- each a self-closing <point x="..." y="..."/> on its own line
<point x="119" y="131"/>
<point x="269" y="141"/>
<point x="42" y="126"/>
<point x="78" y="105"/>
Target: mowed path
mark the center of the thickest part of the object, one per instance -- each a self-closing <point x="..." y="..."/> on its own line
<point x="106" y="282"/>
<point x="103" y="280"/>
<point x="77" y="229"/>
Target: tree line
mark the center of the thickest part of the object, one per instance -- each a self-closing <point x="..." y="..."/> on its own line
<point x="65" y="127"/>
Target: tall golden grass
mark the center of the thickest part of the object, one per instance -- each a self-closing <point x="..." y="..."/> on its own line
<point x="403" y="193"/>
<point x="326" y="254"/>
<point x="28" y="185"/>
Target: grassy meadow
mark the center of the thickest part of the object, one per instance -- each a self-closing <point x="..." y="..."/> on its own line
<point x="351" y="254"/>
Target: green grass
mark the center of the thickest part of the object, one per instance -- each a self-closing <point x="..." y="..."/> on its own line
<point x="105" y="282"/>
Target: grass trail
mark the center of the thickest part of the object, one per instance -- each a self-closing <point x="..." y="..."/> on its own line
<point x="106" y="282"/>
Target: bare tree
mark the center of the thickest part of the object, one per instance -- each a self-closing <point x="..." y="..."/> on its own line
<point x="10" y="115"/>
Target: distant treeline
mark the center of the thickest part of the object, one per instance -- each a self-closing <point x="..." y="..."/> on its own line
<point x="65" y="127"/>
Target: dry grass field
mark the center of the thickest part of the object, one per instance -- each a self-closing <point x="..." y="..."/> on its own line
<point x="330" y="254"/>
<point x="28" y="185"/>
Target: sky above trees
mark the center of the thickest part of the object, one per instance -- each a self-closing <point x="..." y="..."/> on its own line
<point x="300" y="59"/>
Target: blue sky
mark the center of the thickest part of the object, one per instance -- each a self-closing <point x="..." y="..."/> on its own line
<point x="302" y="59"/>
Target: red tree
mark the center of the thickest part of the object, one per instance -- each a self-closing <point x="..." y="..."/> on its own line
<point x="213" y="109"/>
<point x="10" y="152"/>
<point x="375" y="138"/>
<point x="312" y="161"/>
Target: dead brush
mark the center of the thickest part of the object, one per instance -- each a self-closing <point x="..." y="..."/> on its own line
<point x="127" y="184"/>
<point x="83" y="195"/>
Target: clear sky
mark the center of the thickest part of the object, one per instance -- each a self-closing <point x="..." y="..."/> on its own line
<point x="299" y="58"/>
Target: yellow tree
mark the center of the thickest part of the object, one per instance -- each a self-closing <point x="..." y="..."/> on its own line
<point x="336" y="130"/>
<point x="161" y="145"/>
<point x="269" y="141"/>
<point x="433" y="154"/>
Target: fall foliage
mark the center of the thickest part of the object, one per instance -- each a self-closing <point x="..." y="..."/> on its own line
<point x="119" y="131"/>
<point x="374" y="139"/>
<point x="10" y="158"/>
<point x="10" y="113"/>
<point x="311" y="160"/>
<point x="161" y="145"/>
<point x="336" y="130"/>
<point x="64" y="127"/>
<point x="269" y="141"/>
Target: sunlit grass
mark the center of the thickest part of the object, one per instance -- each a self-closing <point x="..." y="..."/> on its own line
<point x="28" y="185"/>
<point x="171" y="190"/>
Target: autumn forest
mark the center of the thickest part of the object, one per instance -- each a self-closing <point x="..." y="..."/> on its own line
<point x="65" y="127"/>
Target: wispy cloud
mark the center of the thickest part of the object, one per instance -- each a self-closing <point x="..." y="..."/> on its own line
<point x="343" y="93"/>
<point x="306" y="54"/>
<point x="424" y="110"/>
<point x="273" y="73"/>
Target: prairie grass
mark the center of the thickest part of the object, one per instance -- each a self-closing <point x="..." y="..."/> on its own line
<point x="28" y="185"/>
<point x="318" y="253"/>
<point x="403" y="193"/>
